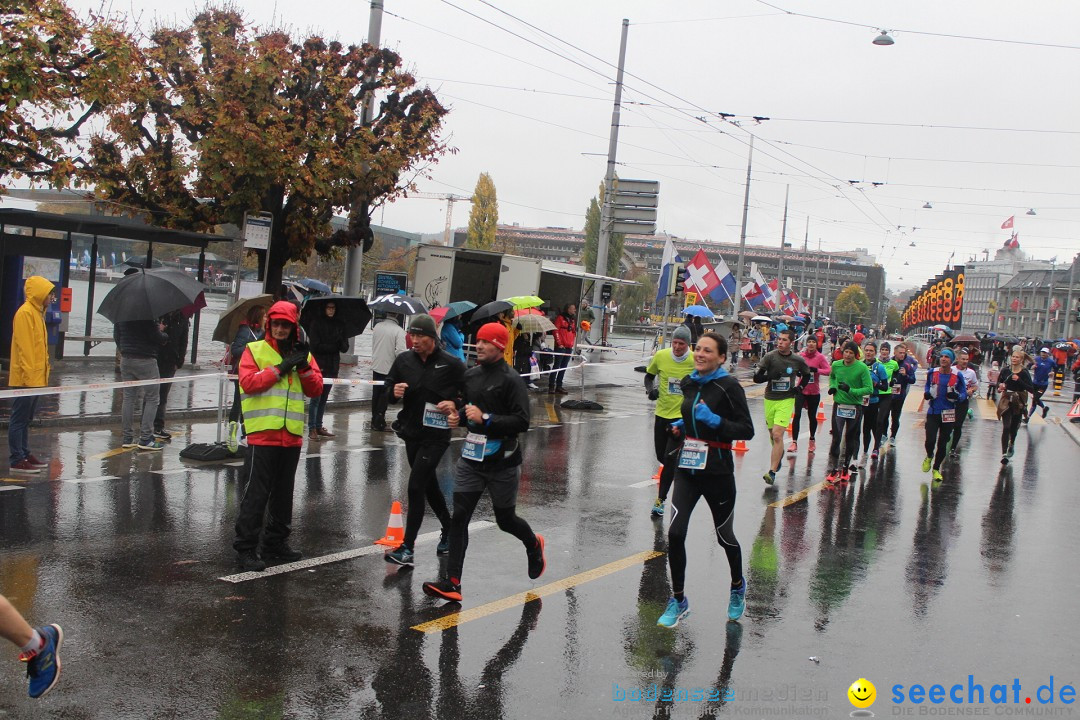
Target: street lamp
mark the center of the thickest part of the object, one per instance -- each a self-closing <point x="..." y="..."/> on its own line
<point x="928" y="206"/>
<point x="884" y="38"/>
<point x="1031" y="211"/>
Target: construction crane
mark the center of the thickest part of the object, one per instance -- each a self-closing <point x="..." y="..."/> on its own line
<point x="450" y="199"/>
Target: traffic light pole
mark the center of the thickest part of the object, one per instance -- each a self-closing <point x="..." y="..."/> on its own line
<point x="606" y="213"/>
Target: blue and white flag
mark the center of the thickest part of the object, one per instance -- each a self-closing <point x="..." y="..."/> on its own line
<point x="726" y="289"/>
<point x="670" y="257"/>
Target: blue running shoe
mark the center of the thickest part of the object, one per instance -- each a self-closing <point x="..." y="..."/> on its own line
<point x="402" y="555"/>
<point x="737" y="603"/>
<point x="443" y="548"/>
<point x="675" y="612"/>
<point x="43" y="666"/>
<point x="658" y="508"/>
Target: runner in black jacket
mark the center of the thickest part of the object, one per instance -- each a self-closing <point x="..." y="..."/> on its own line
<point x="495" y="412"/>
<point x="714" y="413"/>
<point x="429" y="382"/>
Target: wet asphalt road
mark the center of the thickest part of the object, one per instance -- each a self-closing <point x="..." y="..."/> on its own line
<point x="886" y="579"/>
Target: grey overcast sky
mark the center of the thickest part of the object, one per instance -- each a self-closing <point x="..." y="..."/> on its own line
<point x="982" y="129"/>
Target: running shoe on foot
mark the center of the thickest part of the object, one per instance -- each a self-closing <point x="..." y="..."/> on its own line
<point x="1026" y="419"/>
<point x="537" y="561"/>
<point x="249" y="561"/>
<point x="35" y="462"/>
<point x="737" y="603"/>
<point x="163" y="434"/>
<point x="892" y="440"/>
<point x="281" y="552"/>
<point x="1005" y="459"/>
<point x="938" y="477"/>
<point x="129" y="444"/>
<point x="658" y="508"/>
<point x="769" y="477"/>
<point x="845" y="476"/>
<point x="23" y="467"/>
<point x="43" y="664"/>
<point x="676" y="611"/>
<point x="852" y="468"/>
<point x="926" y="464"/>
<point x="443" y="547"/>
<point x="811" y="447"/>
<point x="444" y="590"/>
<point x="832" y="477"/>
<point x="400" y="556"/>
<point x="155" y="445"/>
<point x="1011" y="451"/>
<point x="793" y="447"/>
<point x="1046" y="411"/>
<point x="874" y="455"/>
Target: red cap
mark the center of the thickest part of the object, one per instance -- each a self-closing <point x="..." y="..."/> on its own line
<point x="494" y="333"/>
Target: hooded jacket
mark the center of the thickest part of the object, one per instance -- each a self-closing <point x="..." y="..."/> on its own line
<point x="29" y="342"/>
<point x="255" y="379"/>
<point x="724" y="396"/>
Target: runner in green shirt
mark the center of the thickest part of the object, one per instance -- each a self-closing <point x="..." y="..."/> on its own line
<point x="663" y="378"/>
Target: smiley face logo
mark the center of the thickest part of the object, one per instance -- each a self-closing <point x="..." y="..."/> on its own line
<point x="862" y="693"/>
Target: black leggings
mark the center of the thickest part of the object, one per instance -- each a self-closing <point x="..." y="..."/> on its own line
<point x="896" y="407"/>
<point x="937" y="438"/>
<point x="506" y="518"/>
<point x="810" y="402"/>
<point x="846" y="429"/>
<point x="424" y="459"/>
<point x="719" y="493"/>
<point x="667" y="453"/>
<point x="961" y="416"/>
<point x="1010" y="425"/>
<point x="871" y="427"/>
<point x="1036" y="398"/>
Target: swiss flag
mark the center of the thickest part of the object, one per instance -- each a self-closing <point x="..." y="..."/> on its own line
<point x="1016" y="304"/>
<point x="700" y="275"/>
<point x="1008" y="223"/>
<point x="1055" y="305"/>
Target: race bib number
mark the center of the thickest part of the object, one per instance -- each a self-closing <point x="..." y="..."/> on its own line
<point x="474" y="446"/>
<point x="948" y="416"/>
<point x="674" y="387"/>
<point x="435" y="419"/>
<point x="694" y="454"/>
<point x="845" y="412"/>
<point x="781" y="385"/>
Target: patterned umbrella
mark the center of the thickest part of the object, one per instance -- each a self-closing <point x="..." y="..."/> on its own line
<point x="400" y="304"/>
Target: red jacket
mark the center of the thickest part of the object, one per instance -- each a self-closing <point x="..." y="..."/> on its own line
<point x="254" y="379"/>
<point x="565" y="331"/>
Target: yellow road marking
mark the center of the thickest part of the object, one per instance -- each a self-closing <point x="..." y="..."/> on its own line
<point x="552" y="415"/>
<point x="13" y="480"/>
<point x="798" y="497"/>
<point x="111" y="453"/>
<point x="482" y="611"/>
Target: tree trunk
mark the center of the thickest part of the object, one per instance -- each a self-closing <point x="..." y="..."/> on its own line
<point x="274" y="203"/>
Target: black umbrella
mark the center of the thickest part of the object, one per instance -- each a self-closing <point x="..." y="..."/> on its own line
<point x="400" y="304"/>
<point x="492" y="309"/>
<point x="149" y="294"/>
<point x="352" y="312"/>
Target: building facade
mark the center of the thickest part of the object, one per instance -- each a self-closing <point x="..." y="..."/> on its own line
<point x="984" y="305"/>
<point x="1041" y="303"/>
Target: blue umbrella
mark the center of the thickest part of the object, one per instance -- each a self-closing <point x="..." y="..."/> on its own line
<point x="698" y="311"/>
<point x="458" y="307"/>
<point x="314" y="285"/>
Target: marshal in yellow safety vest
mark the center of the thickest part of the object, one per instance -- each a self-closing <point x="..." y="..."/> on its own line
<point x="282" y="405"/>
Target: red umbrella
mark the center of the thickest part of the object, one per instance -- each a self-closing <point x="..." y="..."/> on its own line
<point x="199" y="304"/>
<point x="439" y="313"/>
<point x="527" y="311"/>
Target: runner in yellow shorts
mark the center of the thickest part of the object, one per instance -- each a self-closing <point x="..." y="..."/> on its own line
<point x="785" y="372"/>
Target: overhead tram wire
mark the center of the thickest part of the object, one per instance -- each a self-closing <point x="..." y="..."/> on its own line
<point x="888" y="222"/>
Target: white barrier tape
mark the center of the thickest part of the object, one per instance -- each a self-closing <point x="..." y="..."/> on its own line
<point x="29" y="392"/>
<point x="333" y="381"/>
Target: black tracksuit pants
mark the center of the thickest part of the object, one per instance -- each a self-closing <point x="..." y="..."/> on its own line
<point x="270" y="476"/>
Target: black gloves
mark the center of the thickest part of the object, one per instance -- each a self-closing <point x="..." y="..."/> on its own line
<point x="952" y="396"/>
<point x="844" y="386"/>
<point x="927" y="396"/>
<point x="343" y="346"/>
<point x="654" y="393"/>
<point x="761" y="375"/>
<point x="301" y="350"/>
<point x="832" y="391"/>
<point x="883" y="385"/>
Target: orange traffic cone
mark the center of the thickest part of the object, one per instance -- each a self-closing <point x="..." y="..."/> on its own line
<point x="739" y="446"/>
<point x="821" y="411"/>
<point x="395" y="530"/>
<point x="790" y="423"/>
<point x="658" y="471"/>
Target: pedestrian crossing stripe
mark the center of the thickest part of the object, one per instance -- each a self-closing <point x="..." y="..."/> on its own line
<point x="482" y="611"/>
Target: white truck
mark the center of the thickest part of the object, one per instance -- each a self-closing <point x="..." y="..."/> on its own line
<point x="446" y="274"/>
